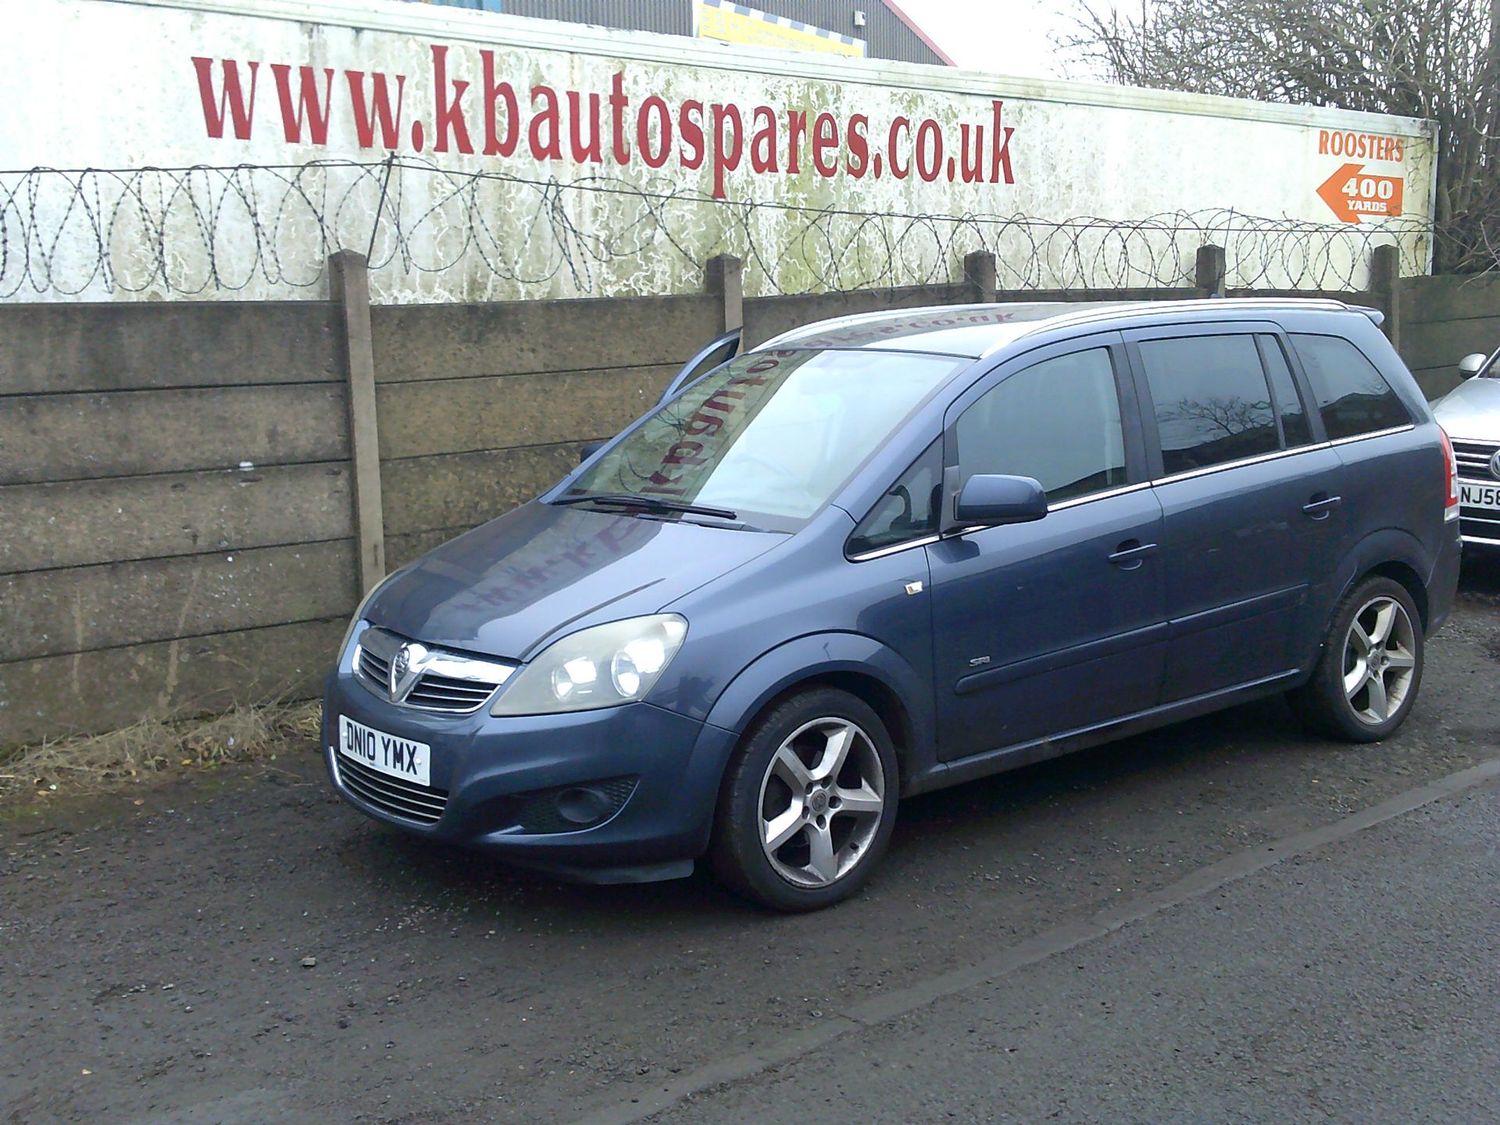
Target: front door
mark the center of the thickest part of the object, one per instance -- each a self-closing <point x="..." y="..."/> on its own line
<point x="1046" y="628"/>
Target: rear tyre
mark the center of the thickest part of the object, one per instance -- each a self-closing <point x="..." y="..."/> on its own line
<point x="808" y="802"/>
<point x="1367" y="678"/>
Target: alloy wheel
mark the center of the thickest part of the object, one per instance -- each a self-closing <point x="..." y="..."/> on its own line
<point x="1379" y="660"/>
<point x="821" y="802"/>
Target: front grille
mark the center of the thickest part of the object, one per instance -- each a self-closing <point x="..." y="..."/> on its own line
<point x="446" y="693"/>
<point x="373" y="668"/>
<point x="1473" y="525"/>
<point x="451" y="682"/>
<point x="390" y="794"/>
<point x="1474" y="459"/>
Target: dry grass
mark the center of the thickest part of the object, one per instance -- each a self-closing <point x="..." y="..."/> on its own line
<point x="155" y="747"/>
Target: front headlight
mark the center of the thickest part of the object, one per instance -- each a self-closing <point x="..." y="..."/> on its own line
<point x="599" y="667"/>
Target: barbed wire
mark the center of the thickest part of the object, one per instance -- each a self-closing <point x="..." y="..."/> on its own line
<point x="258" y="230"/>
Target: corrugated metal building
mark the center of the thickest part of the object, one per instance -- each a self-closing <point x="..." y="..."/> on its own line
<point x="887" y="31"/>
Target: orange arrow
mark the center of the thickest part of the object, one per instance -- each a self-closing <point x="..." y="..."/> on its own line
<point x="1350" y="194"/>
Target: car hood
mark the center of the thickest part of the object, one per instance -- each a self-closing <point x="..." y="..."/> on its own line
<point x="510" y="586"/>
<point x="1471" y="410"/>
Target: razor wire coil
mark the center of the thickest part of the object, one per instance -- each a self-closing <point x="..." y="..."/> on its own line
<point x="207" y="230"/>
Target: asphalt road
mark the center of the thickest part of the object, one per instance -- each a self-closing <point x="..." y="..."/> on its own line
<point x="1225" y="920"/>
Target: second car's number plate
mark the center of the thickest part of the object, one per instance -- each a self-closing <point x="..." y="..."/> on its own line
<point x="389" y="754"/>
<point x="1472" y="495"/>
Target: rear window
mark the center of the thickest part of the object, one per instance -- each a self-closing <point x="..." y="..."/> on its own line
<point x="1353" y="396"/>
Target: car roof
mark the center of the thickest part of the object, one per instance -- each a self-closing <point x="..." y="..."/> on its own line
<point x="974" y="331"/>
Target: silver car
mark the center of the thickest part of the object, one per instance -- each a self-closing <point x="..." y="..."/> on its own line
<point x="1470" y="414"/>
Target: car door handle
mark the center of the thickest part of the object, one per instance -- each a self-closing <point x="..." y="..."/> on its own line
<point x="1130" y="554"/>
<point x="1320" y="507"/>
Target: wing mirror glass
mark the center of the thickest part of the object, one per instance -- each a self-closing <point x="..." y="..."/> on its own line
<point x="986" y="500"/>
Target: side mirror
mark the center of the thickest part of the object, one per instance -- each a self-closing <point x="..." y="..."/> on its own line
<point x="988" y="500"/>
<point x="1471" y="365"/>
<point x="588" y="449"/>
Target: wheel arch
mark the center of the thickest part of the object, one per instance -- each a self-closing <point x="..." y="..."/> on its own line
<point x="1392" y="554"/>
<point x="1409" y="580"/>
<point x="860" y="665"/>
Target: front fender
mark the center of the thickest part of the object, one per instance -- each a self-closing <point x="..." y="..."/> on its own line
<point x="818" y="655"/>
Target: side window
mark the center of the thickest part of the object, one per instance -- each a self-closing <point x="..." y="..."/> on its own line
<point x="1294" y="427"/>
<point x="908" y="510"/>
<point x="1353" y="396"/>
<point x="1211" y="400"/>
<point x="1057" y="421"/>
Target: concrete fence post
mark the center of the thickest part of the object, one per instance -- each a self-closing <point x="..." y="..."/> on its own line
<point x="1210" y="271"/>
<point x="349" y="289"/>
<point x="724" y="277"/>
<point x="979" y="276"/>
<point x="1385" y="289"/>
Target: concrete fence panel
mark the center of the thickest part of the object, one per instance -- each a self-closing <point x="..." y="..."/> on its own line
<point x="57" y="349"/>
<point x="175" y="505"/>
<point x="129" y="433"/>
<point x="1445" y="319"/>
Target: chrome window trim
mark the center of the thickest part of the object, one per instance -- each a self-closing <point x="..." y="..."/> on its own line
<point x="1075" y="501"/>
<point x="1280" y="453"/>
<point x="928" y="540"/>
<point x="1374" y="434"/>
<point x="1258" y="459"/>
<point x="894" y="548"/>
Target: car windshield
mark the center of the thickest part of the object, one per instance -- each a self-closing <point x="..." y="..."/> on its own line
<point x="770" y="434"/>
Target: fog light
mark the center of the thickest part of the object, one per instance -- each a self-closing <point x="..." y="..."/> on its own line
<point x="570" y="808"/>
<point x="583" y="806"/>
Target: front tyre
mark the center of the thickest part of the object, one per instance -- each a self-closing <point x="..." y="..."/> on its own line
<point x="1367" y="679"/>
<point x="808" y="802"/>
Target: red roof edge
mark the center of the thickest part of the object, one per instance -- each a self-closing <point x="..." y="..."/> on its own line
<point x="920" y="34"/>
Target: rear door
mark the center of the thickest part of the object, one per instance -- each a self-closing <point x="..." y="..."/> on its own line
<point x="1044" y="628"/>
<point x="1251" y="502"/>
<point x="1391" y="478"/>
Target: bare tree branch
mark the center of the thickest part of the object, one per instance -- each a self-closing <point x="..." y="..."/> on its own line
<point x="1435" y="59"/>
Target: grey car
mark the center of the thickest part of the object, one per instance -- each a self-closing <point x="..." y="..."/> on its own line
<point x="1470" y="414"/>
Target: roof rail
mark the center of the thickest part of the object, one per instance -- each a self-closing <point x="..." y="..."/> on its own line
<point x="1117" y="309"/>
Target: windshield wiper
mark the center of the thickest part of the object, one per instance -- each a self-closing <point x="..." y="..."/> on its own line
<point x="649" y="503"/>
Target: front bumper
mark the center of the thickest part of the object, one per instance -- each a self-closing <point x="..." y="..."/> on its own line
<point x="497" y="772"/>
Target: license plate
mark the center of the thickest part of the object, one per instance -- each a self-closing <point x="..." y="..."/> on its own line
<point x="1472" y="495"/>
<point x="386" y="753"/>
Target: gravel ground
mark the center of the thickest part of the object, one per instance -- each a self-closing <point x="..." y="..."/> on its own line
<point x="248" y="948"/>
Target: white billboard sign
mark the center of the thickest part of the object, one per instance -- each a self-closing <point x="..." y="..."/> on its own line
<point x="203" y="150"/>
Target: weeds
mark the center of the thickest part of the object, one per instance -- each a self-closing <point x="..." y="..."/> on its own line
<point x="100" y="762"/>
